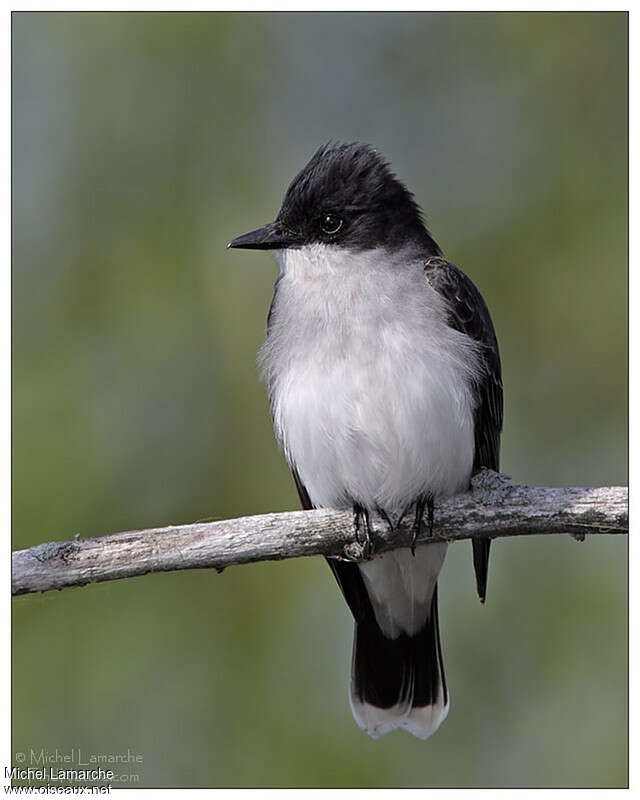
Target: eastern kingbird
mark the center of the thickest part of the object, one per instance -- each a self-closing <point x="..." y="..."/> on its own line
<point x="383" y="373"/>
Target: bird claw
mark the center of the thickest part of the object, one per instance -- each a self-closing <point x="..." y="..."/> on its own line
<point x="427" y="503"/>
<point x="364" y="532"/>
<point x="362" y="525"/>
<point x="382" y="513"/>
<point x="415" y="532"/>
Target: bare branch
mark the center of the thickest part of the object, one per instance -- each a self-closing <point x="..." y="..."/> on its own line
<point x="494" y="508"/>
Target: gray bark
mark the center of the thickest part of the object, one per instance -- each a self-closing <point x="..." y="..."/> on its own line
<point x="493" y="508"/>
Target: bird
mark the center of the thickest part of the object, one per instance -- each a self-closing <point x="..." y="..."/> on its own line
<point x="384" y="380"/>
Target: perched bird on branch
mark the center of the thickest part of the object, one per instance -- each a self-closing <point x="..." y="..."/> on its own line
<point x="383" y="373"/>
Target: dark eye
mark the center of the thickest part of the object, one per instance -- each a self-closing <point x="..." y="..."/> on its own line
<point x="330" y="223"/>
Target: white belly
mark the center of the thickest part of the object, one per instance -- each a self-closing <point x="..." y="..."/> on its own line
<point x="369" y="386"/>
<point x="377" y="434"/>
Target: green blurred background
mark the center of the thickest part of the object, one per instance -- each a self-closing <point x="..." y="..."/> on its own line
<point x="142" y="143"/>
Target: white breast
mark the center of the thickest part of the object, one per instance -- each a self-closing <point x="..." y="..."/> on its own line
<point x="370" y="388"/>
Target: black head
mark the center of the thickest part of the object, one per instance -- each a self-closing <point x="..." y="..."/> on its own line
<point x="345" y="196"/>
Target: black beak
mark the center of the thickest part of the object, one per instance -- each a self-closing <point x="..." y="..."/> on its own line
<point x="270" y="237"/>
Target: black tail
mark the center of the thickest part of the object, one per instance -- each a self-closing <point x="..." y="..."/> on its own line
<point x="399" y="683"/>
<point x="395" y="683"/>
<point x="385" y="669"/>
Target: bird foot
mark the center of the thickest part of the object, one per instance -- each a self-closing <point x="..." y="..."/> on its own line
<point x="364" y="531"/>
<point x="425" y="503"/>
<point x="382" y="513"/>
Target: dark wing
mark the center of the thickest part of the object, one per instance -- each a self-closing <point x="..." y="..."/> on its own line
<point x="468" y="314"/>
<point x="303" y="494"/>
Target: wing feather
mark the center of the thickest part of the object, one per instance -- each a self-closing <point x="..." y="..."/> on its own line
<point x="468" y="314"/>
